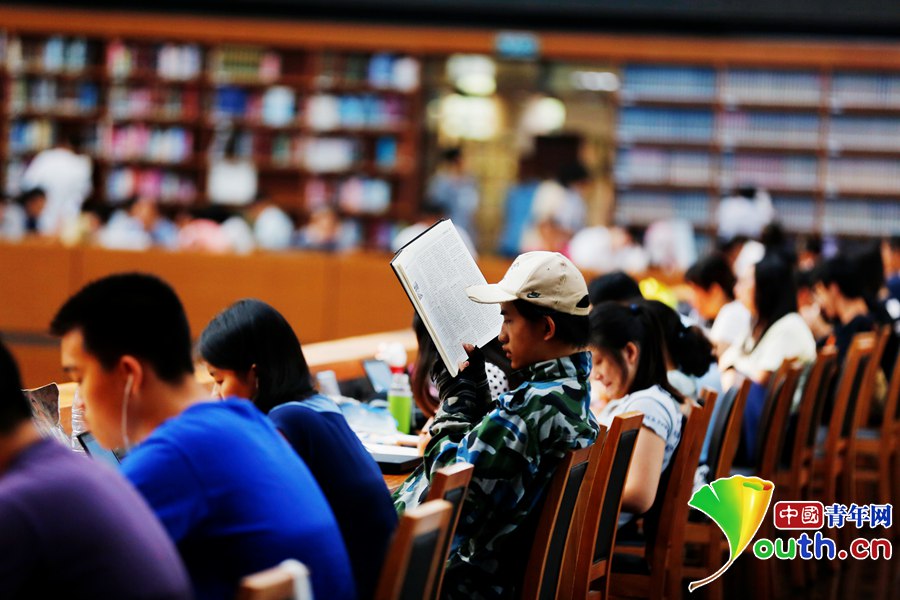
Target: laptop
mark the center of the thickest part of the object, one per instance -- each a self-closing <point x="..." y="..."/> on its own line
<point x="93" y="449"/>
<point x="394" y="460"/>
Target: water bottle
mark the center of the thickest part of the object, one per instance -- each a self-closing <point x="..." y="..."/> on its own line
<point x="77" y="420"/>
<point x="400" y="401"/>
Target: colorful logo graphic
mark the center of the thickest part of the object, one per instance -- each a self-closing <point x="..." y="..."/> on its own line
<point x="738" y="505"/>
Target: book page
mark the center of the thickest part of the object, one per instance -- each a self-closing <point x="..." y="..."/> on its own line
<point x="45" y="412"/>
<point x="437" y="269"/>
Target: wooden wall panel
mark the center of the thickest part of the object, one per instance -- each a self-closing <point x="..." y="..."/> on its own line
<point x="38" y="364"/>
<point x="366" y="297"/>
<point x="294" y="283"/>
<point x="35" y="280"/>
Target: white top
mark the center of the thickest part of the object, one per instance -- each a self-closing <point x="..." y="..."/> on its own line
<point x="65" y="178"/>
<point x="732" y="324"/>
<point x="788" y="338"/>
<point x="661" y="415"/>
<point x="232" y="182"/>
<point x="554" y="202"/>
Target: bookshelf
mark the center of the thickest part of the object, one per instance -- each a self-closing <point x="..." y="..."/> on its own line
<point x="323" y="127"/>
<point x="818" y="112"/>
<point x="825" y="142"/>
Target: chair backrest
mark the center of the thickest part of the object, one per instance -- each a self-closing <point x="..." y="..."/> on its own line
<point x="450" y="484"/>
<point x="773" y="391"/>
<point x="664" y="550"/>
<point x="414" y="558"/>
<point x="599" y="507"/>
<point x="810" y="413"/>
<point x="542" y="575"/>
<point x="774" y="430"/>
<point x="892" y="404"/>
<point x="287" y="581"/>
<point x="843" y="412"/>
<point x="864" y="402"/>
<point x="726" y="430"/>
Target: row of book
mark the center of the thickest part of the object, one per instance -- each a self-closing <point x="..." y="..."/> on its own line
<point x="354" y="195"/>
<point x="770" y="171"/>
<point x="796" y="214"/>
<point x="53" y="96"/>
<point x="855" y="217"/>
<point x="861" y="174"/>
<point x="168" y="186"/>
<point x="651" y="166"/>
<point x="126" y="102"/>
<point x="748" y="128"/>
<point x="760" y="86"/>
<point x="142" y="142"/>
<point x="55" y="54"/>
<point x="643" y="208"/>
<point x="640" y="123"/>
<point x="167" y="61"/>
<point x="32" y="135"/>
<point x="383" y="70"/>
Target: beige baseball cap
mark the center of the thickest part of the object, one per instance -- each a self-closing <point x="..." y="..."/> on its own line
<point x="546" y="279"/>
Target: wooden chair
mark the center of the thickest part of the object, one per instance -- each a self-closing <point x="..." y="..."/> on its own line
<point x="700" y="531"/>
<point x="588" y="564"/>
<point x="831" y="464"/>
<point x="864" y="403"/>
<point x="287" y="581"/>
<point x="414" y="557"/>
<point x="655" y="570"/>
<point x="792" y="481"/>
<point x="542" y="574"/>
<point x="877" y="448"/>
<point x="450" y="484"/>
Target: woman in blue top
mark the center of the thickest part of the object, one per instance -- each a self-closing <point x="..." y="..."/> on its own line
<point x="251" y="351"/>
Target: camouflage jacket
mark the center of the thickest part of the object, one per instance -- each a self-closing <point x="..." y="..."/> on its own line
<point x="515" y="444"/>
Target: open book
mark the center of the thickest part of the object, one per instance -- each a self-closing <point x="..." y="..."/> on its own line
<point x="435" y="269"/>
<point x="45" y="412"/>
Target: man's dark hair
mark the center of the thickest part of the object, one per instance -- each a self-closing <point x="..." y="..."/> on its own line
<point x="130" y="314"/>
<point x="250" y="332"/>
<point x="14" y="407"/>
<point x="841" y="271"/>
<point x="570" y="329"/>
<point x="712" y="269"/>
<point x="451" y="155"/>
<point x="30" y="195"/>
<point x="572" y="173"/>
<point x="894" y="242"/>
<point x="617" y="286"/>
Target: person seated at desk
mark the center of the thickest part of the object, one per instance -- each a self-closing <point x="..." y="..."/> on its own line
<point x="251" y="352"/>
<point x="232" y="494"/>
<point x="70" y="528"/>
<point x="627" y="345"/>
<point x="778" y="333"/>
<point x="516" y="442"/>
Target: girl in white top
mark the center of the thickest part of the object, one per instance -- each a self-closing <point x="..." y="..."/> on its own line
<point x="778" y="332"/>
<point x="627" y="347"/>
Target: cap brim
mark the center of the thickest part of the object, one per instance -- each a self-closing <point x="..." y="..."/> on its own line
<point x="489" y="294"/>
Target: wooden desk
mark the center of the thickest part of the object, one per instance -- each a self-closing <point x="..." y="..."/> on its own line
<point x="394" y="482"/>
